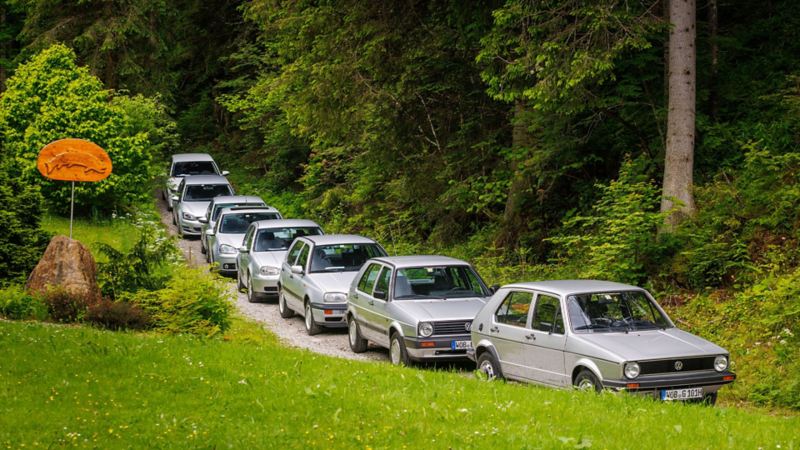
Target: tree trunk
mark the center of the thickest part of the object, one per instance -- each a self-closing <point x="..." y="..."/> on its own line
<point x="513" y="215"/>
<point x="713" y="28"/>
<point x="679" y="161"/>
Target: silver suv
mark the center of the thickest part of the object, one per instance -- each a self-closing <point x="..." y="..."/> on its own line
<point x="594" y="335"/>
<point x="419" y="307"/>
<point x="316" y="275"/>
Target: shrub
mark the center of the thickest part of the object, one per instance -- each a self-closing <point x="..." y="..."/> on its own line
<point x="64" y="306"/>
<point x="15" y="303"/>
<point x="117" y="315"/>
<point x="192" y="303"/>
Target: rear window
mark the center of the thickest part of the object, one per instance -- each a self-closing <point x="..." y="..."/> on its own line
<point x="205" y="192"/>
<point x="182" y="169"/>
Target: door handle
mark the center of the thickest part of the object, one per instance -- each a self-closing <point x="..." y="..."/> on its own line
<point x="494" y="330"/>
<point x="531" y="337"/>
<point x="371" y="302"/>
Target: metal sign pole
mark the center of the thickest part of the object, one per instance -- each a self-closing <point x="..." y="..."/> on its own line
<point x="71" y="209"/>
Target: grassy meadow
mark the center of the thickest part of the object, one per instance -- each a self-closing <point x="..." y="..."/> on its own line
<point x="65" y="386"/>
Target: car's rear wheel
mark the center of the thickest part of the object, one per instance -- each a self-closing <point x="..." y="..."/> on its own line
<point x="311" y="326"/>
<point x="357" y="343"/>
<point x="587" y="381"/>
<point x="283" y="308"/>
<point x="489" y="367"/>
<point x="397" y="350"/>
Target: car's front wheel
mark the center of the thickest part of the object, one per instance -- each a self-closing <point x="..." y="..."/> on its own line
<point x="710" y="399"/>
<point x="357" y="343"/>
<point x="239" y="285"/>
<point x="587" y="381"/>
<point x="397" y="350"/>
<point x="252" y="296"/>
<point x="311" y="326"/>
<point x="283" y="308"/>
<point x="488" y="366"/>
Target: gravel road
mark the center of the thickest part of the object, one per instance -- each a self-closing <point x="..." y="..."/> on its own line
<point x="292" y="331"/>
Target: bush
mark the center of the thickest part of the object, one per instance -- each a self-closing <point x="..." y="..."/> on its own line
<point x="192" y="303"/>
<point x="17" y="304"/>
<point x="64" y="306"/>
<point x="117" y="315"/>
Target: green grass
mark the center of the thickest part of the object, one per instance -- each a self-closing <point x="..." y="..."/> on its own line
<point x="118" y="233"/>
<point x="77" y="386"/>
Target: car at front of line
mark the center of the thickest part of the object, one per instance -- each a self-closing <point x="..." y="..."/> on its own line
<point x="263" y="251"/>
<point x="187" y="164"/>
<point x="228" y="234"/>
<point x="215" y="207"/>
<point x="419" y="307"/>
<point x="316" y="275"/>
<point x="192" y="199"/>
<point x="595" y="335"/>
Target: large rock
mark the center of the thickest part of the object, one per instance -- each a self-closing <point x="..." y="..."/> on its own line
<point x="69" y="265"/>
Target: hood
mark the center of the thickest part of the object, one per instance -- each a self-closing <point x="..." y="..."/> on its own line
<point x="334" y="281"/>
<point x="234" y="240"/>
<point x="451" y="309"/>
<point x="197" y="209"/>
<point x="274" y="259"/>
<point x="653" y="344"/>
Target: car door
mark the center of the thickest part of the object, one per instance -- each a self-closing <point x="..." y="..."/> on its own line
<point x="364" y="302"/>
<point x="381" y="316"/>
<point x="288" y="280"/>
<point x="545" y="359"/>
<point x="176" y="204"/>
<point x="300" y="281"/>
<point x="243" y="259"/>
<point x="510" y="334"/>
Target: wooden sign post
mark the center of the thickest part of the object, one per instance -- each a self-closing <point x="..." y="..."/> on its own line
<point x="73" y="160"/>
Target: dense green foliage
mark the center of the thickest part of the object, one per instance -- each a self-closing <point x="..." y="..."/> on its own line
<point x="17" y="304"/>
<point x="103" y="389"/>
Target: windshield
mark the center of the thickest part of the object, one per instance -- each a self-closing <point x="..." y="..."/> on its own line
<point x="614" y="311"/>
<point x="279" y="239"/>
<point x="218" y="207"/>
<point x="205" y="192"/>
<point x="437" y="282"/>
<point x="181" y="169"/>
<point x="237" y="223"/>
<point x="343" y="257"/>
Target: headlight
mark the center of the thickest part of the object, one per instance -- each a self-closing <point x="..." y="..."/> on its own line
<point x="720" y="363"/>
<point x="632" y="370"/>
<point x="269" y="270"/>
<point x="187" y="216"/>
<point x="334" y="297"/>
<point x="425" y="329"/>
<point x="228" y="249"/>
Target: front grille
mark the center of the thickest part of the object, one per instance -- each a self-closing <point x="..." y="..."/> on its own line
<point x="271" y="289"/>
<point x="668" y="365"/>
<point x="450" y="327"/>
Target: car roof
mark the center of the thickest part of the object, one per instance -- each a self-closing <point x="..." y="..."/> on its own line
<point x="276" y="223"/>
<point x="401" y="262"/>
<point x="237" y="199"/>
<point x="568" y="287"/>
<point x="205" y="179"/>
<point x="329" y="239"/>
<point x="187" y="157"/>
<point x="247" y="209"/>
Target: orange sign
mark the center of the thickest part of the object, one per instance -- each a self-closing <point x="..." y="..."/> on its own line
<point x="74" y="160"/>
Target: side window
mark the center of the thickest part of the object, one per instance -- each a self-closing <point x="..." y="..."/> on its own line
<point x="295" y="250"/>
<point x="383" y="280"/>
<point x="547" y="315"/>
<point x="514" y="309"/>
<point x="368" y="279"/>
<point x="302" y="260"/>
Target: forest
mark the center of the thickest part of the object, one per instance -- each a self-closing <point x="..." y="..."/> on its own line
<point x="534" y="138"/>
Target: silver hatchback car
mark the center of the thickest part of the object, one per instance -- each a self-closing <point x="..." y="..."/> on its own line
<point x="594" y="335"/>
<point x="419" y="307"/>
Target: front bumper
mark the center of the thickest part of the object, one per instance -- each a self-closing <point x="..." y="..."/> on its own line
<point x="190" y="227"/>
<point x="226" y="262"/>
<point x="266" y="285"/>
<point x="648" y="385"/>
<point x="436" y="347"/>
<point x="332" y="315"/>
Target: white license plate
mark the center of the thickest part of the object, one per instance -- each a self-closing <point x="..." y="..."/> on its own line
<point x="681" y="394"/>
<point x="461" y="345"/>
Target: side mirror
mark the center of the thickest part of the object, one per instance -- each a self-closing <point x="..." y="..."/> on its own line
<point x="175" y="198"/>
<point x="297" y="269"/>
<point x="202" y="220"/>
<point x="224" y="173"/>
<point x="243" y="250"/>
<point x="209" y="232"/>
<point x="379" y="295"/>
<point x="494" y="288"/>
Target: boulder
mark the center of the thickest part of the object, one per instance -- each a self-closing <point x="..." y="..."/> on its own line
<point x="69" y="265"/>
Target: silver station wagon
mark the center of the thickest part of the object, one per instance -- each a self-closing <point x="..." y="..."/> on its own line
<point x="594" y="335"/>
<point x="419" y="307"/>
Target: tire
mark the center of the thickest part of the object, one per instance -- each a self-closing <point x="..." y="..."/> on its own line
<point x="239" y="285"/>
<point x="252" y="296"/>
<point x="311" y="326"/>
<point x="283" y="308"/>
<point x="710" y="399"/>
<point x="202" y="247"/>
<point x="586" y="380"/>
<point x="488" y="365"/>
<point x="397" y="351"/>
<point x="357" y="342"/>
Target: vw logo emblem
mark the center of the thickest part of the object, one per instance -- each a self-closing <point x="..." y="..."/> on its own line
<point x="468" y="326"/>
<point x="678" y="365"/>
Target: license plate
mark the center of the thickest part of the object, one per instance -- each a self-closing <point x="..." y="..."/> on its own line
<point x="681" y="394"/>
<point x="461" y="345"/>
